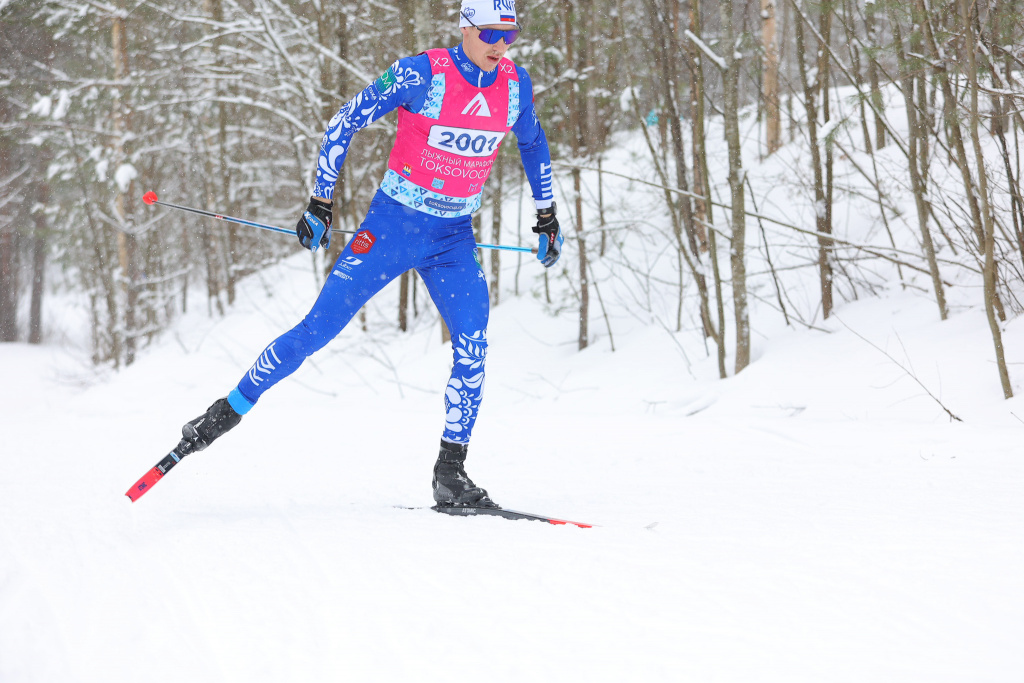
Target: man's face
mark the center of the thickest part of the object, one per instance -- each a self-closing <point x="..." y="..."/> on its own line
<point x="480" y="53"/>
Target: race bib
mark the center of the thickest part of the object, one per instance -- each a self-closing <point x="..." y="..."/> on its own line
<point x="465" y="142"/>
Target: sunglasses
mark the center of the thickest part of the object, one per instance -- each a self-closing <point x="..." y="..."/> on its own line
<point x="492" y="35"/>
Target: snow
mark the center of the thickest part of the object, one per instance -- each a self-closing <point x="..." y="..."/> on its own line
<point x="63" y="104"/>
<point x="816" y="517"/>
<point x="42" y="106"/>
<point x="827" y="129"/>
<point x="124" y="175"/>
<point x="706" y="49"/>
<point x="626" y="98"/>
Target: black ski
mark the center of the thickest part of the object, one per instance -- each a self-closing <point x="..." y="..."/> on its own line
<point x="469" y="511"/>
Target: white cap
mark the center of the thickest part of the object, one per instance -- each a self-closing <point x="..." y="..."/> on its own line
<point x="488" y="12"/>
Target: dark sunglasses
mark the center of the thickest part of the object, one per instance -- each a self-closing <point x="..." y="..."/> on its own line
<point x="492" y="35"/>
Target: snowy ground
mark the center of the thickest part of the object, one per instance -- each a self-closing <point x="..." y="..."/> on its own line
<point x="816" y="518"/>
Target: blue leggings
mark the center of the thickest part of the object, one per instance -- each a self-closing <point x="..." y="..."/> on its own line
<point x="392" y="240"/>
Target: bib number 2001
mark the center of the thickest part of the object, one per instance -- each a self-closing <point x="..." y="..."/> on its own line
<point x="464" y="141"/>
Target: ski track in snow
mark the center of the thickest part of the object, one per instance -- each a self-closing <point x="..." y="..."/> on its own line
<point x="804" y="533"/>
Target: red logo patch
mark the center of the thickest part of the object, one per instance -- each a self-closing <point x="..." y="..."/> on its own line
<point x="363" y="242"/>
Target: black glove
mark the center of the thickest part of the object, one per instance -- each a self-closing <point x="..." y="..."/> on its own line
<point x="551" y="238"/>
<point x="314" y="228"/>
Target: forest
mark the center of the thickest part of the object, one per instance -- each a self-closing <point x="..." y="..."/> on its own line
<point x="711" y="157"/>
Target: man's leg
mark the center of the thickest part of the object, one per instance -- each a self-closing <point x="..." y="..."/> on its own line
<point x="459" y="289"/>
<point x="365" y="265"/>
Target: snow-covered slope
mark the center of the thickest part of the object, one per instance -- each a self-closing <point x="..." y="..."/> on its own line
<point x="816" y="518"/>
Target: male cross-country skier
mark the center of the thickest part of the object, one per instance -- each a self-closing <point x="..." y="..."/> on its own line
<point x="455" y="107"/>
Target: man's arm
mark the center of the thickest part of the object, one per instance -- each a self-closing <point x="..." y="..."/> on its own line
<point x="404" y="82"/>
<point x="533" y="145"/>
<point x="533" y="148"/>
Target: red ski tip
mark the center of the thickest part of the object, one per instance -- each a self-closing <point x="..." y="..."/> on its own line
<point x="144" y="484"/>
<point x="149" y="197"/>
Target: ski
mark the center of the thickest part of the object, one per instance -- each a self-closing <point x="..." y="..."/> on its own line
<point x="469" y="511"/>
<point x="157" y="473"/>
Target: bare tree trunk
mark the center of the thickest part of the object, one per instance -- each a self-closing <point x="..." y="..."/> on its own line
<point x="916" y="182"/>
<point x="231" y="256"/>
<point x="770" y="44"/>
<point x="496" y="199"/>
<point x="101" y="266"/>
<point x="825" y="244"/>
<point x="811" y="93"/>
<point x="737" y="247"/>
<point x="703" y="210"/>
<point x="870" y="24"/>
<point x="953" y="126"/>
<point x="696" y="237"/>
<point x="855" y="62"/>
<point x="8" y="285"/>
<point x="577" y="141"/>
<point x="340" y="208"/>
<point x="600" y="205"/>
<point x="39" y="242"/>
<point x="124" y="200"/>
<point x="409" y="33"/>
<point x="990" y="265"/>
<point x="581" y="243"/>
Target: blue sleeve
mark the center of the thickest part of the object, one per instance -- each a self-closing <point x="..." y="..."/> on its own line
<point x="533" y="144"/>
<point x="405" y="82"/>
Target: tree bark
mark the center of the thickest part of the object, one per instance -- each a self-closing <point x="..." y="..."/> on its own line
<point x="340" y="209"/>
<point x="770" y="44"/>
<point x="824" y="216"/>
<point x="8" y="285"/>
<point x="916" y="182"/>
<point x="696" y="235"/>
<point x="954" y="127"/>
<point x="876" y="91"/>
<point x="737" y="247"/>
<point x="573" y="58"/>
<point x="39" y="242"/>
<point x="811" y="93"/>
<point x="496" y="200"/>
<point x="124" y="199"/>
<point x="990" y="265"/>
<point x="703" y="210"/>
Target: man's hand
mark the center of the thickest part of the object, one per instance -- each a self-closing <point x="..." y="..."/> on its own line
<point x="314" y="228"/>
<point x="551" y="238"/>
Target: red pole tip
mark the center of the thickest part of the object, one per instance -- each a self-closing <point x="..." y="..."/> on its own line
<point x="149" y="197"/>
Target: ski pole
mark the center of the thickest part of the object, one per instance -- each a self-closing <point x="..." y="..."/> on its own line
<point x="150" y="198"/>
<point x="506" y="248"/>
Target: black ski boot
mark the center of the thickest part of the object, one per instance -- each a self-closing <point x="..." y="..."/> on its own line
<point x="452" y="486"/>
<point x="201" y="432"/>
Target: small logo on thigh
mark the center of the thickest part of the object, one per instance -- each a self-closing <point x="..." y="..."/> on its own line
<point x="345" y="264"/>
<point x="363" y="242"/>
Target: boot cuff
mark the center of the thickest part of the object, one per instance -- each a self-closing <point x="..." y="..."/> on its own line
<point x="453" y="452"/>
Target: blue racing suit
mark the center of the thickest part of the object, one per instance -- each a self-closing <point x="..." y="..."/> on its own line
<point x="395" y="238"/>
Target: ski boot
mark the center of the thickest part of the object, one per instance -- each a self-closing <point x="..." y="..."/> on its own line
<point x="452" y="486"/>
<point x="199" y="433"/>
